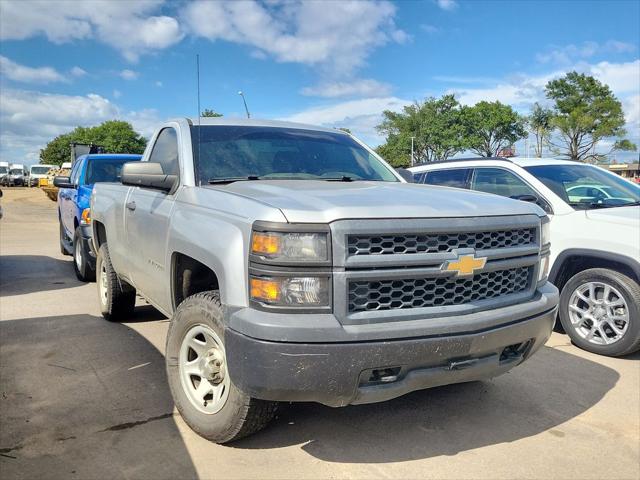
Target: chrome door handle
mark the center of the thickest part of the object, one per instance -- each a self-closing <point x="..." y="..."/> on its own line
<point x="131" y="206"/>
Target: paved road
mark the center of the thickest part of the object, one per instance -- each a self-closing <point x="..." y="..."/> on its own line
<point x="84" y="398"/>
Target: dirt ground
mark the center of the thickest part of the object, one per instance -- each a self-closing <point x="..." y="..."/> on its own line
<point x="85" y="398"/>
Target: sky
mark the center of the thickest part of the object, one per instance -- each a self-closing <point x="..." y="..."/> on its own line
<point x="333" y="63"/>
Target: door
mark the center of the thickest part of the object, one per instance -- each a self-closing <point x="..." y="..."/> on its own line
<point x="68" y="201"/>
<point x="147" y="216"/>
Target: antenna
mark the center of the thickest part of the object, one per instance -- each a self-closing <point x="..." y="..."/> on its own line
<point x="198" y="83"/>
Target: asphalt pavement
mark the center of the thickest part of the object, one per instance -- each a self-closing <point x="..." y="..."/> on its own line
<point x="85" y="398"/>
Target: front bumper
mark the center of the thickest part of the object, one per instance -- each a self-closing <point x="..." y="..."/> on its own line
<point x="87" y="246"/>
<point x="343" y="373"/>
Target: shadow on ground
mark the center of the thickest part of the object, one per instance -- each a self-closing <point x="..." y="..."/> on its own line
<point x="86" y="398"/>
<point x="539" y="396"/>
<point x="22" y="274"/>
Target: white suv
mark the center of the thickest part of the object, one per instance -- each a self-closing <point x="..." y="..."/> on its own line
<point x="595" y="238"/>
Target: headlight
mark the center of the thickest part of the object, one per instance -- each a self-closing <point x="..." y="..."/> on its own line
<point x="545" y="233"/>
<point x="290" y="291"/>
<point x="543" y="272"/>
<point x="287" y="246"/>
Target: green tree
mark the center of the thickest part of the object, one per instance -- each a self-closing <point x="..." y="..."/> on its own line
<point x="114" y="135"/>
<point x="585" y="112"/>
<point x="345" y="129"/>
<point x="541" y="127"/>
<point x="435" y="125"/>
<point x="210" y="113"/>
<point x="491" y="127"/>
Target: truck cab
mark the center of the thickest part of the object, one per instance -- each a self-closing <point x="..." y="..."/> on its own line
<point x="73" y="206"/>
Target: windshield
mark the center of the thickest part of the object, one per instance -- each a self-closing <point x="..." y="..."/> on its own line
<point x="238" y="152"/>
<point x="16" y="171"/>
<point x="39" y="170"/>
<point x="104" y="170"/>
<point x="3" y="170"/>
<point x="586" y="187"/>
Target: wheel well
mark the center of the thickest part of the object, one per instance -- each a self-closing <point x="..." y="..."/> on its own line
<point x="75" y="224"/>
<point x="190" y="277"/>
<point x="577" y="263"/>
<point x="100" y="232"/>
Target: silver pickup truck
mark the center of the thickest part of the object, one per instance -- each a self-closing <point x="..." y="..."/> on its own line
<point x="296" y="265"/>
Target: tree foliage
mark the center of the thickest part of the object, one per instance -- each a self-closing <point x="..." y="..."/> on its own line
<point x="435" y="125"/>
<point x="207" y="112"/>
<point x="540" y="123"/>
<point x="491" y="127"/>
<point x="585" y="112"/>
<point x="114" y="135"/>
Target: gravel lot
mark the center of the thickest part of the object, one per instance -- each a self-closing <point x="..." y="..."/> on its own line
<point x="84" y="398"/>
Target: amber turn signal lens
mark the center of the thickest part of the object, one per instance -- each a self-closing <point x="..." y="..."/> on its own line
<point x="86" y="216"/>
<point x="265" y="290"/>
<point x="265" y="243"/>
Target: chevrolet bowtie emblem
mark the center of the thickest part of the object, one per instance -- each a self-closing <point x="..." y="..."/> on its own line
<point x="465" y="265"/>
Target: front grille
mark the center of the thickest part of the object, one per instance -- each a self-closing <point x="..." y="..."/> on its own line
<point x="379" y="295"/>
<point x="438" y="243"/>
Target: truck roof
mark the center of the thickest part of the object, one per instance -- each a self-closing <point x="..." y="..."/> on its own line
<point x="256" y="122"/>
<point x="111" y="156"/>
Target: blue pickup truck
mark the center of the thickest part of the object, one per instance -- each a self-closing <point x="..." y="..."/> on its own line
<point x="74" y="213"/>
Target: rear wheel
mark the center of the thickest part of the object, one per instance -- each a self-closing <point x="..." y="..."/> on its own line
<point x="117" y="298"/>
<point x="599" y="310"/>
<point x="202" y="390"/>
<point x="81" y="264"/>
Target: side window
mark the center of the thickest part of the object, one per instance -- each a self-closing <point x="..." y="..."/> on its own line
<point x="456" y="177"/>
<point x="418" y="177"/>
<point x="500" y="182"/>
<point x="75" y="172"/>
<point x="165" y="151"/>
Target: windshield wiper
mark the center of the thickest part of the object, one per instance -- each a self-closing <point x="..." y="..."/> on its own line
<point x="344" y="178"/>
<point x="217" y="181"/>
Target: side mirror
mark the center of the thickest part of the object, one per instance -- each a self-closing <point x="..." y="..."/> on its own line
<point x="405" y="174"/>
<point x="63" y="182"/>
<point x="148" y="175"/>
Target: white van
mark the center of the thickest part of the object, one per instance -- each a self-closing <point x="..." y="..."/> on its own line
<point x="36" y="172"/>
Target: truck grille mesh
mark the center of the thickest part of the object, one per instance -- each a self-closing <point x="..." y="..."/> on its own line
<point x="438" y="243"/>
<point x="431" y="292"/>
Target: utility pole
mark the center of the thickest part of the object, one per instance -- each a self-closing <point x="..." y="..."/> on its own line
<point x="246" y="109"/>
<point x="412" y="161"/>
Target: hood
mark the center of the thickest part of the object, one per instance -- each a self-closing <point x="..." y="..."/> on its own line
<point x="618" y="215"/>
<point x="312" y="201"/>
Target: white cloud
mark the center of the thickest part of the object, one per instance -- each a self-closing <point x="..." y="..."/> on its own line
<point x="353" y="88"/>
<point x="337" y="36"/>
<point x="129" y="27"/>
<point x="426" y="27"/>
<point x="567" y="54"/>
<point x="78" y="72"/>
<point x="22" y="73"/>
<point x="127" y="74"/>
<point x="157" y="83"/>
<point x="361" y="116"/>
<point x="117" y="94"/>
<point x="30" y="119"/>
<point x="448" y="5"/>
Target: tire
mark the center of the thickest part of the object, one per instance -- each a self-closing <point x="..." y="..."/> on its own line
<point x="235" y="414"/>
<point x="117" y="298"/>
<point x="81" y="263"/>
<point x="622" y="304"/>
<point x="63" y="250"/>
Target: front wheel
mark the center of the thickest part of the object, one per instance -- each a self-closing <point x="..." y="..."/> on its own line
<point x="81" y="263"/>
<point x="117" y="298"/>
<point x="599" y="310"/>
<point x="202" y="390"/>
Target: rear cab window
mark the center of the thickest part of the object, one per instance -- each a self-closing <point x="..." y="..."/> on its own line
<point x="455" y="177"/>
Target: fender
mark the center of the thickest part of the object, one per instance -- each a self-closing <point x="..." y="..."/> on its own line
<point x="630" y="262"/>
